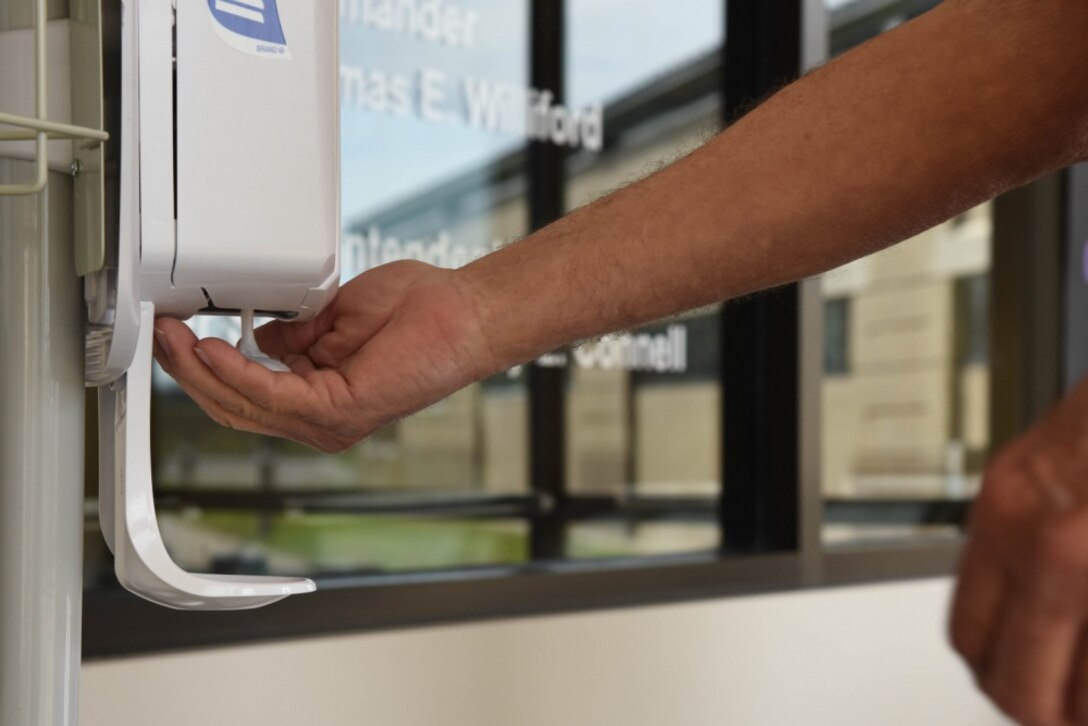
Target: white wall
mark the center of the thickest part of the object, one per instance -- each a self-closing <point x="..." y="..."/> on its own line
<point x="872" y="655"/>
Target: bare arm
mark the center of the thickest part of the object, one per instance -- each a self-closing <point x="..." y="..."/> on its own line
<point x="970" y="100"/>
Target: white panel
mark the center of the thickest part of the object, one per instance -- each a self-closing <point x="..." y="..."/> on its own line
<point x="258" y="155"/>
<point x="156" y="147"/>
<point x="845" y="656"/>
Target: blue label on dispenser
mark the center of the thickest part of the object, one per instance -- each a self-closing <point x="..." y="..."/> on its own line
<point x="251" y="26"/>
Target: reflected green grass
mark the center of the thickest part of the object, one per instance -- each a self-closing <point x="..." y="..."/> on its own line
<point x="338" y="542"/>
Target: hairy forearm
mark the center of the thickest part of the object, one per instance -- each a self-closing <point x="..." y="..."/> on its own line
<point x="970" y="100"/>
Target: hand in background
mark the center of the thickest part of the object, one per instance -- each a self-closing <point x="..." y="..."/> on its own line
<point x="394" y="340"/>
<point x="1021" y="607"/>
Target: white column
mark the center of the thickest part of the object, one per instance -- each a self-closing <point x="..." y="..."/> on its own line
<point x="41" y="455"/>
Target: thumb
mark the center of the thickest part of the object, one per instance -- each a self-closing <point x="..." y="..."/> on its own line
<point x="280" y="338"/>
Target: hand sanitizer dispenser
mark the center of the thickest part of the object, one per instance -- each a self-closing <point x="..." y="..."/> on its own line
<point x="229" y="204"/>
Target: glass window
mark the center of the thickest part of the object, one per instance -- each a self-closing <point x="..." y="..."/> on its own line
<point x="615" y="47"/>
<point x="905" y="392"/>
<point x="643" y="407"/>
<point x="436" y="115"/>
<point x="908" y="420"/>
<point x="439" y="122"/>
<point x="855" y="21"/>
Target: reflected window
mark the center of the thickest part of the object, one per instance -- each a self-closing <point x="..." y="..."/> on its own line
<point x="855" y="21"/>
<point x="643" y="407"/>
<point x="906" y="418"/>
<point x="905" y="394"/>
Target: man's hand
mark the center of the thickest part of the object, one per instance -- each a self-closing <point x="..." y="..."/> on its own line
<point x="394" y="340"/>
<point x="1021" y="606"/>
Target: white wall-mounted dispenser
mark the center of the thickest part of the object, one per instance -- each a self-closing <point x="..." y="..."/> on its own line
<point x="229" y="204"/>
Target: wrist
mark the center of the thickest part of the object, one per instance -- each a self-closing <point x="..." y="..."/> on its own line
<point x="491" y="346"/>
<point x="509" y="308"/>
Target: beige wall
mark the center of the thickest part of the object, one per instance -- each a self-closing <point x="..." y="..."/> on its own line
<point x="873" y="655"/>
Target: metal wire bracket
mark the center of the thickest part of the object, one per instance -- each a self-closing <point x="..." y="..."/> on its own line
<point x="40" y="129"/>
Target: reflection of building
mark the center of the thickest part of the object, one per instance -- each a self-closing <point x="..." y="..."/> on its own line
<point x="905" y="393"/>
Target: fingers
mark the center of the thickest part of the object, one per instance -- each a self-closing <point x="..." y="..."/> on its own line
<point x="210" y="406"/>
<point x="216" y="412"/>
<point x="1077" y="691"/>
<point x="253" y="381"/>
<point x="976" y="608"/>
<point x="327" y="340"/>
<point x="316" y="407"/>
<point x="1020" y="616"/>
<point x="173" y="335"/>
<point x="1036" y="641"/>
<point x="280" y="394"/>
<point x="282" y="338"/>
<point x="181" y="358"/>
<point x="337" y="345"/>
<point x="1032" y="659"/>
<point x="300" y="365"/>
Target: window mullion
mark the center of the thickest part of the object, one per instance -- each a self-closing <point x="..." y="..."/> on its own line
<point x="547" y="415"/>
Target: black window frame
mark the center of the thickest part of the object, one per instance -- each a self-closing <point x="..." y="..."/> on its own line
<point x="771" y="509"/>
